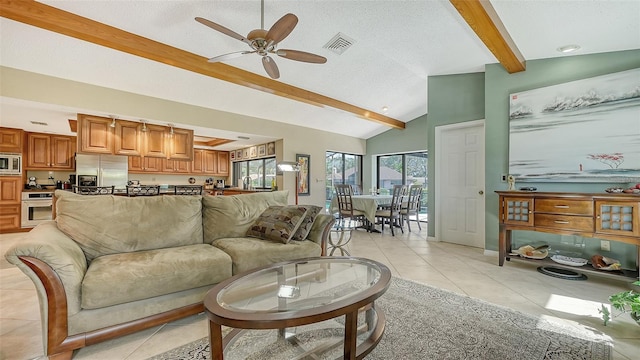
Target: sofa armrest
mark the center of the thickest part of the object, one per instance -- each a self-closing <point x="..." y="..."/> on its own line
<point x="55" y="249"/>
<point x="320" y="231"/>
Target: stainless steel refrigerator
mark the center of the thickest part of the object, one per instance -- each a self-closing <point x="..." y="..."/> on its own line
<point x="109" y="169"/>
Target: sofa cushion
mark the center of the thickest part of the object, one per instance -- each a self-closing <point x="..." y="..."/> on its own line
<point x="278" y="223"/>
<point x="231" y="216"/>
<point x="120" y="278"/>
<point x="110" y="224"/>
<point x="249" y="253"/>
<point x="307" y="222"/>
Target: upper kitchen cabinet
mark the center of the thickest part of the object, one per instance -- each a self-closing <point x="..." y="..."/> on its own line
<point x="11" y="140"/>
<point x="121" y="137"/>
<point x="95" y="134"/>
<point x="180" y="144"/>
<point x="223" y="163"/>
<point x="128" y="138"/>
<point x="155" y="141"/>
<point x="50" y="152"/>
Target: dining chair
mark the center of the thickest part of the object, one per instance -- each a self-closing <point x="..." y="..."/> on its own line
<point x="93" y="190"/>
<point x="391" y="214"/>
<point x="345" y="205"/>
<point x="188" y="190"/>
<point x="143" y="190"/>
<point x="412" y="206"/>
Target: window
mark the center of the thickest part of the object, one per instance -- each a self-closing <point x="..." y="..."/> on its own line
<point x="342" y="169"/>
<point x="259" y="173"/>
<point x="407" y="169"/>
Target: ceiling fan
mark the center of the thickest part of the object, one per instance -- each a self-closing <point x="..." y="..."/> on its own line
<point x="264" y="43"/>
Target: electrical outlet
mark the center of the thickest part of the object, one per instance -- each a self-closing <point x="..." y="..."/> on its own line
<point x="503" y="178"/>
<point x="605" y="245"/>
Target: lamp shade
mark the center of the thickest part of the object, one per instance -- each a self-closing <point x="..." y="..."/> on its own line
<point x="288" y="166"/>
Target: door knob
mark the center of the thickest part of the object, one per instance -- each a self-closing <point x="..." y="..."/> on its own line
<point x="480" y="192"/>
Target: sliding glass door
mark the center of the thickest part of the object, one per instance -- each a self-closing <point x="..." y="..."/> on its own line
<point x="407" y="169"/>
<point x="342" y="168"/>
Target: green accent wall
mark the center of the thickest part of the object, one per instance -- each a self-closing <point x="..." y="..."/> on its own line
<point x="452" y="99"/>
<point x="541" y="73"/>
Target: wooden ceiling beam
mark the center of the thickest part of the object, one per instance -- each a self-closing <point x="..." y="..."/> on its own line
<point x="66" y="23"/>
<point x="484" y="20"/>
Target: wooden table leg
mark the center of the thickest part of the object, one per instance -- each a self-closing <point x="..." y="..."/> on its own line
<point x="350" y="335"/>
<point x="502" y="245"/>
<point x="215" y="341"/>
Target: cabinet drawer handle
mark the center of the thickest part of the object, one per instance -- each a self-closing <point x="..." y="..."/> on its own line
<point x="562" y="206"/>
<point x="561" y="222"/>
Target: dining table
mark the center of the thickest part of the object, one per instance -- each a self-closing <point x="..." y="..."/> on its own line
<point x="368" y="204"/>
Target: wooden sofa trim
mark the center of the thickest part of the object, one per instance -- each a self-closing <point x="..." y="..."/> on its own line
<point x="60" y="345"/>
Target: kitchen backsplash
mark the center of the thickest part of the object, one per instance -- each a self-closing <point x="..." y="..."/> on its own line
<point x="42" y="178"/>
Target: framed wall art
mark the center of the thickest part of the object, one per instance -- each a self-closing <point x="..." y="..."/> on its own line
<point x="252" y="152"/>
<point x="581" y="131"/>
<point x="232" y="155"/>
<point x="245" y="153"/>
<point x="271" y="148"/>
<point x="304" y="176"/>
<point x="262" y="150"/>
<point x="239" y="154"/>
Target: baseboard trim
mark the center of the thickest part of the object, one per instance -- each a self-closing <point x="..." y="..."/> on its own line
<point x="490" y="253"/>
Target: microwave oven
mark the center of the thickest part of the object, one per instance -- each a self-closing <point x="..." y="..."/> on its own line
<point x="10" y="164"/>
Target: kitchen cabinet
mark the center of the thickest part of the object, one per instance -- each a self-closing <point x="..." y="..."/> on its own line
<point x="10" y="203"/>
<point x="50" y="152"/>
<point x="138" y="164"/>
<point x="128" y="138"/>
<point x="155" y="141"/>
<point x="11" y="140"/>
<point x="180" y="144"/>
<point x="614" y="217"/>
<point x="176" y="166"/>
<point x="95" y="134"/>
<point x="223" y="163"/>
<point x="210" y="162"/>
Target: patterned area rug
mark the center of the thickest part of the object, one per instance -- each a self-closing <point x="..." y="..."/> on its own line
<point x="425" y="322"/>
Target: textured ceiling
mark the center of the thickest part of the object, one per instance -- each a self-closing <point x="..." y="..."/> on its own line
<point x="398" y="44"/>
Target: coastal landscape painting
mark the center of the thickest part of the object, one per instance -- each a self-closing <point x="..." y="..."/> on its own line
<point x="581" y="131"/>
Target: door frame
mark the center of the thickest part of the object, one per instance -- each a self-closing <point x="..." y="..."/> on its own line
<point x="439" y="130"/>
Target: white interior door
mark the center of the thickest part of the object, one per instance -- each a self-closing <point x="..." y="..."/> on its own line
<point x="460" y="183"/>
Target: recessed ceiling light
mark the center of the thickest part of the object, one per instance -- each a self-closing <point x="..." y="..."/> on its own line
<point x="385" y="109"/>
<point x="568" y="48"/>
<point x="243" y="137"/>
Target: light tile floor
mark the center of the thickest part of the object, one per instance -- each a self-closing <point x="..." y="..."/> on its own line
<point x="461" y="269"/>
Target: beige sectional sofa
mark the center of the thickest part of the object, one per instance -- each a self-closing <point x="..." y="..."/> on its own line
<point x="112" y="265"/>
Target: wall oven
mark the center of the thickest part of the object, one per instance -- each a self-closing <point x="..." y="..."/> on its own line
<point x="37" y="206"/>
<point x="10" y="164"/>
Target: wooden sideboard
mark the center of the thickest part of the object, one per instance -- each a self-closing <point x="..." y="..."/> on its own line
<point x="614" y="217"/>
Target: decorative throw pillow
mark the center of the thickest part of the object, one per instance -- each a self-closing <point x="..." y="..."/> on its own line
<point x="278" y="223"/>
<point x="307" y="222"/>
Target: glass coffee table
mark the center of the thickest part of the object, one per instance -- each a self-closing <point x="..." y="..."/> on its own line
<point x="294" y="310"/>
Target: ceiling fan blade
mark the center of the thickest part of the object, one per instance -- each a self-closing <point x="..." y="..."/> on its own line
<point x="281" y="29"/>
<point x="301" y="56"/>
<point x="271" y="67"/>
<point x="222" y="29"/>
<point x="229" y="56"/>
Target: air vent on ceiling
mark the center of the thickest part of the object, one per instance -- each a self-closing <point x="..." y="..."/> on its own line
<point x="39" y="123"/>
<point x="339" y="43"/>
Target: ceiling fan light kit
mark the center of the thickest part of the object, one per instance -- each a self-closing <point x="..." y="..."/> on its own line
<point x="265" y="43"/>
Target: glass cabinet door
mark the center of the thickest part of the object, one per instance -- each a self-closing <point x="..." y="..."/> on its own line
<point x="618" y="217"/>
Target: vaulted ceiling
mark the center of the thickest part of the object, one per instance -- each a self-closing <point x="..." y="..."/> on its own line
<point x="156" y="48"/>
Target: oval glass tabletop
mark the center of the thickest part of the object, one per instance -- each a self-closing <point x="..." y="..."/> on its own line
<point x="305" y="284"/>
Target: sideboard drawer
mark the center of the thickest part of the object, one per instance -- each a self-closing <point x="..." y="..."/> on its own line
<point x="564" y="206"/>
<point x="566" y="222"/>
